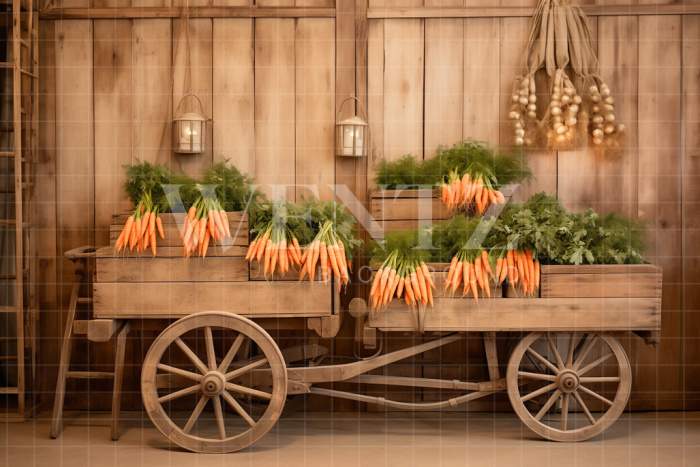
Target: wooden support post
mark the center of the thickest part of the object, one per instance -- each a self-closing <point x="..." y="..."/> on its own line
<point x="491" y="355"/>
<point x="118" y="377"/>
<point x="64" y="363"/>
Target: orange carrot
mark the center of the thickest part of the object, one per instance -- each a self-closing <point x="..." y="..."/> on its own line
<point x="251" y="249"/>
<point x="537" y="275"/>
<point x="399" y="289"/>
<point x="268" y="251"/>
<point x="224" y="221"/>
<point x="389" y="287"/>
<point x="428" y="276"/>
<point x="479" y="276"/>
<point x="487" y="286"/>
<point x="416" y="287"/>
<point x="421" y="283"/>
<point x="504" y="272"/>
<point x="274" y="256"/>
<point x="408" y="289"/>
<point x="511" y="266"/>
<point x="262" y="246"/>
<point x="499" y="266"/>
<point x="283" y="255"/>
<point x="485" y="199"/>
<point x="499" y="197"/>
<point x="207" y="235"/>
<point x="333" y="261"/>
<point x="191" y="213"/>
<point x="314" y="258"/>
<point x="303" y="271"/>
<point x="457" y="278"/>
<point x="485" y="262"/>
<point x="465" y="278"/>
<point x="473" y="282"/>
<point x="450" y="272"/>
<point x="492" y="197"/>
<point x="305" y="255"/>
<point x="323" y="252"/>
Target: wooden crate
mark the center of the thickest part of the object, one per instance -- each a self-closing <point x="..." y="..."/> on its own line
<point x="406" y="209"/>
<point x="585" y="298"/>
<point x="138" y="285"/>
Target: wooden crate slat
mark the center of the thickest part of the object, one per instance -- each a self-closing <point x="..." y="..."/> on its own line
<point x="173" y="252"/>
<point x="600" y="285"/>
<point x="404" y="194"/>
<point x="159" y="269"/>
<point x="600" y="269"/>
<point x="177" y="299"/>
<point x="409" y="209"/>
<point x="256" y="274"/>
<point x="512" y="314"/>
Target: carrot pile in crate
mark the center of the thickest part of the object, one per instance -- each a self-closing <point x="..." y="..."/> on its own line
<point x="308" y="235"/>
<point x="402" y="276"/>
<point x="206" y="221"/>
<point x="475" y="190"/>
<point x="206" y="202"/>
<point x="140" y="229"/>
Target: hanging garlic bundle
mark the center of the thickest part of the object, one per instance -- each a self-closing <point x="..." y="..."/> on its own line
<point x="560" y="42"/>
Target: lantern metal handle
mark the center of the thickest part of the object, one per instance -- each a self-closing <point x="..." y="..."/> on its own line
<point x="364" y="115"/>
<point x="201" y="108"/>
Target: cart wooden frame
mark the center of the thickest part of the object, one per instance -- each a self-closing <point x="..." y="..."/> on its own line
<point x="584" y="304"/>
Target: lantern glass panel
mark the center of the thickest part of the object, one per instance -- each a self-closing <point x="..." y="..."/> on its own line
<point x="190" y="136"/>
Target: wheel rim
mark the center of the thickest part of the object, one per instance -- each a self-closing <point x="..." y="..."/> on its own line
<point x="216" y="380"/>
<point x="551" y="375"/>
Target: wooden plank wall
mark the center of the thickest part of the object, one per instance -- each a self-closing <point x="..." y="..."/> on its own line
<point x="272" y="87"/>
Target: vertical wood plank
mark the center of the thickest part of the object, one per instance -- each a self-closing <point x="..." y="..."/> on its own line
<point x="403" y="87"/>
<point x="514" y="34"/>
<point x="200" y="33"/>
<point x="578" y="177"/>
<point x="151" y="89"/>
<point x="274" y="105"/>
<point x="375" y="93"/>
<point x="690" y="151"/>
<point x="113" y="144"/>
<point x="75" y="165"/>
<point x="233" y="91"/>
<point x="444" y="55"/>
<point x="659" y="103"/>
<point x="315" y="107"/>
<point x="482" y="79"/>
<point x="45" y="192"/>
<point x="618" y="46"/>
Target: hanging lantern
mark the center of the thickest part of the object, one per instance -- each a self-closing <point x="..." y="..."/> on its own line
<point x="352" y="134"/>
<point x="190" y="130"/>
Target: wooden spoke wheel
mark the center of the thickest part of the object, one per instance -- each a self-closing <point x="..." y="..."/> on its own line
<point x="208" y="382"/>
<point x="569" y="387"/>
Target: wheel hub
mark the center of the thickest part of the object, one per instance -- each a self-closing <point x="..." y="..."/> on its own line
<point x="213" y="383"/>
<point x="567" y="381"/>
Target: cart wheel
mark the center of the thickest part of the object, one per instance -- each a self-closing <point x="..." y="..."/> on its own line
<point x="546" y="382"/>
<point x="210" y="382"/>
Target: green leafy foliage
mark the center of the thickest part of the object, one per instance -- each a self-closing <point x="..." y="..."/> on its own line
<point x="558" y="236"/>
<point x="402" y="244"/>
<point x="224" y="181"/>
<point x="468" y="156"/>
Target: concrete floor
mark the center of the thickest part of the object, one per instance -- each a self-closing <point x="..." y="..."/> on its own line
<point x="350" y="439"/>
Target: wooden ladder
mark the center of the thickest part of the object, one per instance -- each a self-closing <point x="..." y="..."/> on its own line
<point x="98" y="330"/>
<point x="23" y="62"/>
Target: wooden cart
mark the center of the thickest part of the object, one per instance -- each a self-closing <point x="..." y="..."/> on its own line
<point x="219" y="349"/>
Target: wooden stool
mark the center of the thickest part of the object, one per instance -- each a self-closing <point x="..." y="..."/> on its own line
<point x="97" y="330"/>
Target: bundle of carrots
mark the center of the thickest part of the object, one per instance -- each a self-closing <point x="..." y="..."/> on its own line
<point x="327" y="250"/>
<point x="277" y="245"/>
<point x="140" y="228"/>
<point x="461" y="193"/>
<point x="402" y="277"/>
<point x="475" y="272"/>
<point x="205" y="221"/>
<point x="522" y="268"/>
